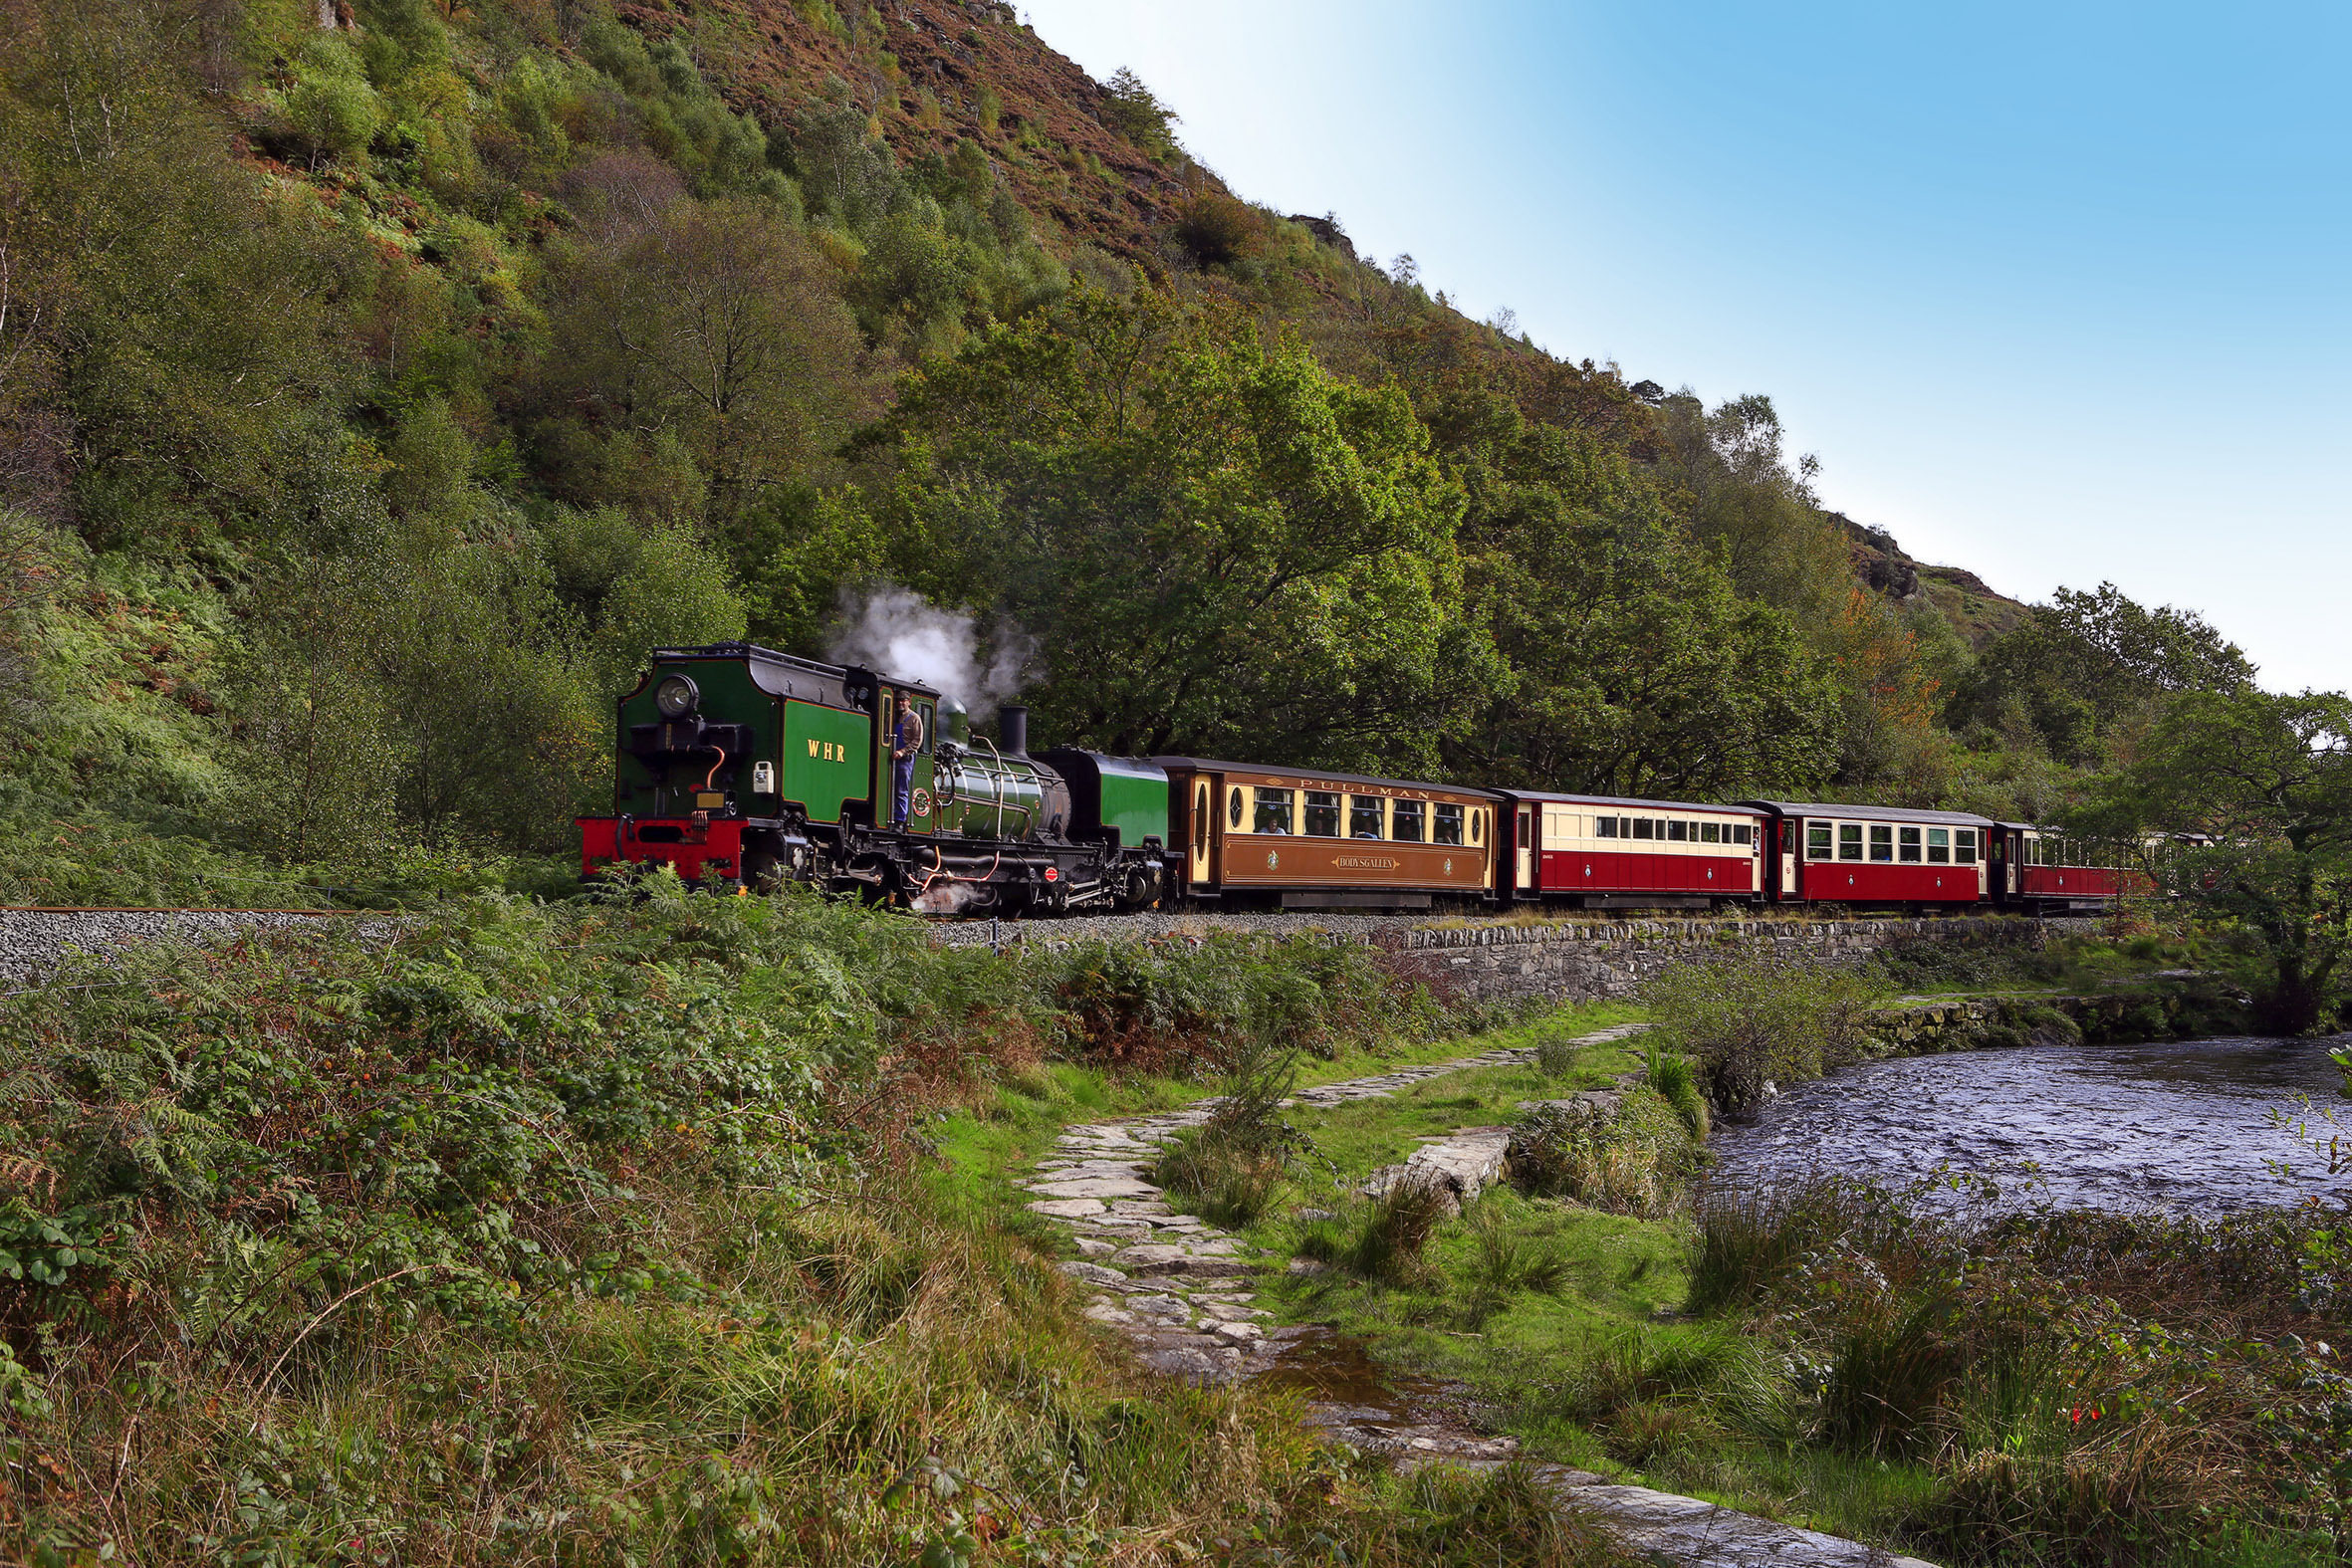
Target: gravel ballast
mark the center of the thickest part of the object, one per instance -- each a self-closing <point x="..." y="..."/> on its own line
<point x="35" y="942"/>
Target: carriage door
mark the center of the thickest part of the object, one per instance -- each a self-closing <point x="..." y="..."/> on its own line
<point x="1523" y="842"/>
<point x="1204" y="822"/>
<point x="1788" y="858"/>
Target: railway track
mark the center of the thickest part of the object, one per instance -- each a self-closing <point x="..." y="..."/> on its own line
<point x="35" y="939"/>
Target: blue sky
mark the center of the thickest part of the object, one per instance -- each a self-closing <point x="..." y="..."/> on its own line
<point x="2057" y="293"/>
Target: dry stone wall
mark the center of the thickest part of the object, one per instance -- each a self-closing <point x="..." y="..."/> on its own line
<point x="1589" y="961"/>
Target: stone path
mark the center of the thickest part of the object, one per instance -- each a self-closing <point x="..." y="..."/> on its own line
<point x="1178" y="1289"/>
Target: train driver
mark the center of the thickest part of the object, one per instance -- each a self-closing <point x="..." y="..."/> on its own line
<point x="904" y="744"/>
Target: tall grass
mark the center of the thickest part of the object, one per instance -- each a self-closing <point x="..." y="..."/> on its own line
<point x="2087" y="1388"/>
<point x="569" y="1234"/>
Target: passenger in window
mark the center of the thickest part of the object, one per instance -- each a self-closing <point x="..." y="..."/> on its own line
<point x="1364" y="816"/>
<point x="1446" y="825"/>
<point x="1274" y="812"/>
<point x="1322" y="814"/>
<point x="1405" y="823"/>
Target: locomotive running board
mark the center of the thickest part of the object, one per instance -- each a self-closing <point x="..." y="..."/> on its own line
<point x="1355" y="901"/>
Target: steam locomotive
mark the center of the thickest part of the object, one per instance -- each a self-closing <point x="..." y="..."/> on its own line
<point x="742" y="767"/>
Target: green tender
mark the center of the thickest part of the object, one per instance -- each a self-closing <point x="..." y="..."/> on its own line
<point x="1134" y="798"/>
<point x="827" y="758"/>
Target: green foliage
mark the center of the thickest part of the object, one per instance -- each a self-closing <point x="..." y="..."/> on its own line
<point x="1671" y="1076"/>
<point x="1629" y="665"/>
<point x="1753" y="1017"/>
<point x="2090" y="664"/>
<point x="1633" y="1156"/>
<point x="2269" y="778"/>
<point x="1139" y="115"/>
<point x="1234" y="1165"/>
<point x="1225" y="546"/>
<point x="2087" y="1385"/>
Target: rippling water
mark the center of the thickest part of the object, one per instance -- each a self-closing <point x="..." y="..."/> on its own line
<point x="2182" y="1125"/>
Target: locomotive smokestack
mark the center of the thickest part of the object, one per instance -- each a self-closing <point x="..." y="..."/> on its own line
<point x="1013" y="730"/>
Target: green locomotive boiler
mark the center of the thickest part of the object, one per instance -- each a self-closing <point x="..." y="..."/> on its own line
<point x="744" y="766"/>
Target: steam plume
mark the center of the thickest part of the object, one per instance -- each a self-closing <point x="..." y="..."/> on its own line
<point x="897" y="632"/>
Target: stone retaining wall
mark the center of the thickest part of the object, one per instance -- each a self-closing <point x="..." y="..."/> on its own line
<point x="1585" y="961"/>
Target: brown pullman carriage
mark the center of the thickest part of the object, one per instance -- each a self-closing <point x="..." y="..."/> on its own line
<point x="1305" y="838"/>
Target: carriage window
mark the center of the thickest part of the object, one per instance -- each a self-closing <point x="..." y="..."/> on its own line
<point x="1711" y="832"/>
<point x="1322" y="814"/>
<point x="1940" y="847"/>
<point x="1274" y="812"/>
<point x="1477" y="825"/>
<point x="1849" y="840"/>
<point x="1446" y="825"/>
<point x="1641" y="827"/>
<point x="1604" y="827"/>
<point x="1200" y="810"/>
<point x="1741" y="830"/>
<point x="1964" y="848"/>
<point x="1908" y="838"/>
<point x="1675" y="830"/>
<point x="1405" y="824"/>
<point x="1817" y="840"/>
<point x="1882" y="842"/>
<point x="1233" y="808"/>
<point x="1364" y="816"/>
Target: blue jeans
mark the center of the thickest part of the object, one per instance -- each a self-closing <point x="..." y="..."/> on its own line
<point x="902" y="779"/>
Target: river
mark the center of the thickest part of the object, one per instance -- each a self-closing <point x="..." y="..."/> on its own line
<point x="2183" y="1124"/>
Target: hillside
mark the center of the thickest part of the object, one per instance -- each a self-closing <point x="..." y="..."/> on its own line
<point x="375" y="392"/>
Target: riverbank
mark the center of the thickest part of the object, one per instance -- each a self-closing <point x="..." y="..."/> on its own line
<point x="1981" y="1387"/>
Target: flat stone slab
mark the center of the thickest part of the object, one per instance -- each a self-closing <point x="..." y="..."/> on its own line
<point x="1067" y="1208"/>
<point x="1463" y="1163"/>
<point x="1688" y="1530"/>
<point x="1095" y="1186"/>
<point x="1092" y="1273"/>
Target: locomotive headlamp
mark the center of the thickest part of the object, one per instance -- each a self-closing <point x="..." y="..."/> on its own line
<point x="676" y="697"/>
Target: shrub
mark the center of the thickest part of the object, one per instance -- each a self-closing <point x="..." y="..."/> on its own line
<point x="1396" y="1228"/>
<point x="1671" y="1075"/>
<point x="1755" y="1018"/>
<point x="1634" y="1160"/>
<point x="1503" y="1261"/>
<point x="1234" y="1165"/>
<point x="1217" y="230"/>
